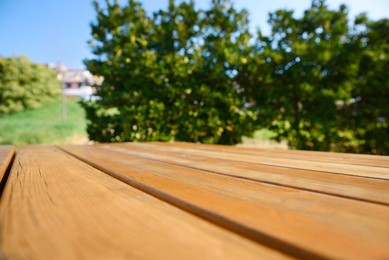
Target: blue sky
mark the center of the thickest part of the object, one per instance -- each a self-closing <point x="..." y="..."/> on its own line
<point x="53" y="31"/>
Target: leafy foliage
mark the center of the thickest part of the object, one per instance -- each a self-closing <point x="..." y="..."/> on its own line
<point x="306" y="58"/>
<point x="322" y="85"/>
<point x="24" y="85"/>
<point x="368" y="114"/>
<point x="190" y="74"/>
<point x="172" y="76"/>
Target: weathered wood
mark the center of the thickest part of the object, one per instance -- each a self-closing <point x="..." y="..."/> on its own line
<point x="56" y="207"/>
<point x="365" y="189"/>
<point x="300" y="223"/>
<point x="334" y="168"/>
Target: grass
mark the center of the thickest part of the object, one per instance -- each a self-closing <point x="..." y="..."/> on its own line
<point x="43" y="125"/>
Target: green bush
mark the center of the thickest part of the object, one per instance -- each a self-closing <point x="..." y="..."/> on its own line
<point x="172" y="76"/>
<point x="317" y="81"/>
<point x="24" y="85"/>
<point x="321" y="83"/>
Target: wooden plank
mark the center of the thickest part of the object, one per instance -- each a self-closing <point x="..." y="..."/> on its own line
<point x="354" y="187"/>
<point x="335" y="168"/>
<point x="56" y="207"/>
<point x="357" y="159"/>
<point x="6" y="154"/>
<point x="300" y="223"/>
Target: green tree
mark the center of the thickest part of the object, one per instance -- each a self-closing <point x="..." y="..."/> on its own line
<point x="367" y="115"/>
<point x="120" y="39"/>
<point x="304" y="69"/>
<point x="223" y="54"/>
<point x="171" y="76"/>
<point x="24" y="85"/>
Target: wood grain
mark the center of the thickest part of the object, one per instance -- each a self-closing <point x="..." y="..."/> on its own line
<point x="357" y="159"/>
<point x="354" y="187"/>
<point x="6" y="154"/>
<point x="303" y="224"/>
<point x="334" y="168"/>
<point x="56" y="207"/>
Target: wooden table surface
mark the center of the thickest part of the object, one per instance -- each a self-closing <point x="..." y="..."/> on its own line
<point x="191" y="201"/>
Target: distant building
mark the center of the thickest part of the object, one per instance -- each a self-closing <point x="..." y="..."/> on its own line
<point x="75" y="82"/>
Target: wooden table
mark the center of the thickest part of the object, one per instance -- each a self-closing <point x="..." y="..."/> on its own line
<point x="190" y="201"/>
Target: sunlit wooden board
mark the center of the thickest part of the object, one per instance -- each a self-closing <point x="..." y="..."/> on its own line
<point x="354" y="187"/>
<point x="6" y="155"/>
<point x="300" y="163"/>
<point x="57" y="207"/>
<point x="294" y="221"/>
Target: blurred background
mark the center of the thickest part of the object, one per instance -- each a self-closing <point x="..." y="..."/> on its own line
<point x="289" y="74"/>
